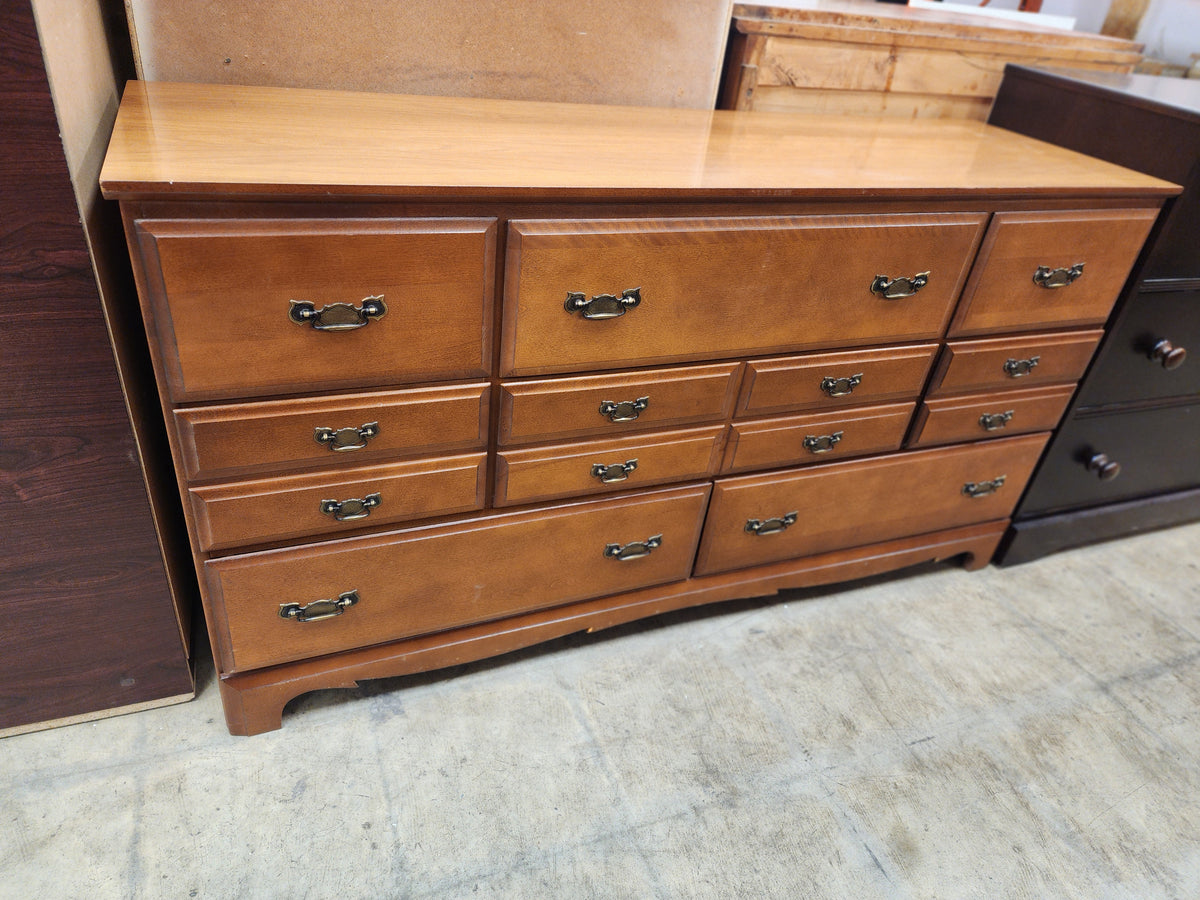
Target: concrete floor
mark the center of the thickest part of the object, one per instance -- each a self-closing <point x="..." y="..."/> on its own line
<point x="1027" y="732"/>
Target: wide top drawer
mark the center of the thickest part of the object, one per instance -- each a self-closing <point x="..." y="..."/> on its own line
<point x="253" y="307"/>
<point x="628" y="292"/>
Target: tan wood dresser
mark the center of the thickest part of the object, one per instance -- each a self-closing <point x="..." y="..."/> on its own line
<point x="445" y="378"/>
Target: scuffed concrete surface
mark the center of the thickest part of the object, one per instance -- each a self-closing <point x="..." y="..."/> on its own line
<point x="1030" y="732"/>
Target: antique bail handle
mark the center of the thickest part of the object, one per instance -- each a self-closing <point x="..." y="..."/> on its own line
<point x="1055" y="278"/>
<point x="602" y="306"/>
<point x="337" y="316"/>
<point x="995" y="421"/>
<point x="636" y="550"/>
<point x="349" y="510"/>
<point x="1019" y="368"/>
<point x="983" y="488"/>
<point x="895" y="288"/>
<point x="318" y="609"/>
<point x="821" y="443"/>
<point x="625" y="410"/>
<point x="761" y="528"/>
<point x="840" y="387"/>
<point x="616" y="472"/>
<point x="342" y="439"/>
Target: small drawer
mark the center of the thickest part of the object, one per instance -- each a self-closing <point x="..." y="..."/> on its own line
<point x="974" y="417"/>
<point x="569" y="470"/>
<point x="1014" y="362"/>
<point x="757" y="519"/>
<point x="816" y="437"/>
<point x="589" y="294"/>
<point x="427" y="579"/>
<point x="274" y="306"/>
<point x="1051" y="269"/>
<point x="1152" y="352"/>
<point x="244" y="438"/>
<point x="270" y="509"/>
<point x="818" y="380"/>
<point x="552" y="408"/>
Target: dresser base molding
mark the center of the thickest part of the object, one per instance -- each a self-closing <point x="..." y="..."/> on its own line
<point x="254" y="701"/>
<point x="1034" y="538"/>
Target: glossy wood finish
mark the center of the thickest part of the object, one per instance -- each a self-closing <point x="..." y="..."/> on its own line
<point x="1002" y="294"/>
<point x="725" y="287"/>
<point x="544" y="409"/>
<point x="240" y="513"/>
<point x="566" y="470"/>
<point x="966" y="366"/>
<point x="1126" y="370"/>
<point x="810" y="438"/>
<point x="857" y="502"/>
<point x="276" y="435"/>
<point x="221" y="292"/>
<point x="946" y="420"/>
<point x="795" y="382"/>
<point x="90" y="625"/>
<point x="430" y="579"/>
<point x="254" y="701"/>
<point x="190" y="140"/>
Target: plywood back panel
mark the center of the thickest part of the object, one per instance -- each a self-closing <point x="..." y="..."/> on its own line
<point x="633" y="52"/>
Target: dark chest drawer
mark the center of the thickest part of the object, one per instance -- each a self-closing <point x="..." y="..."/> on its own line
<point x="1153" y="351"/>
<point x="1157" y="450"/>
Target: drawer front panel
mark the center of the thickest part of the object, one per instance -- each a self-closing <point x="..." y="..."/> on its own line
<point x="1015" y="362"/>
<point x="222" y="294"/>
<point x="263" y="437"/>
<point x="1156" y="450"/>
<point x="612" y="405"/>
<point x="818" y="380"/>
<point x="1023" y="281"/>
<point x="816" y="437"/>
<point x="1152" y="352"/>
<point x="430" y="579"/>
<point x="591" y="467"/>
<point x="860" y="502"/>
<point x="724" y="287"/>
<point x="269" y="509"/>
<point x="975" y="417"/>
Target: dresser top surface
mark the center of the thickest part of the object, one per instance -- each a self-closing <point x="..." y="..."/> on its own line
<point x="177" y="140"/>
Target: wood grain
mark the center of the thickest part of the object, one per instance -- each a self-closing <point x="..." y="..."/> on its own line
<point x="90" y="622"/>
<point x="767" y="443"/>
<point x="725" y="287"/>
<point x="945" y="420"/>
<point x="187" y="140"/>
<point x="861" y="502"/>
<point x="452" y="575"/>
<point x="966" y="366"/>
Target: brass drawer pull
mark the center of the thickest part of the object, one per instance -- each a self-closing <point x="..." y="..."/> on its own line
<point x="1102" y="467"/>
<point x="625" y="410"/>
<point x="636" y="550"/>
<point x="603" y="306"/>
<point x="822" y="444"/>
<point x="337" y="316"/>
<point x="995" y="421"/>
<point x="1019" y="368"/>
<point x="983" y="488"/>
<point x="349" y="510"/>
<point x="895" y="288"/>
<point x="1055" y="278"/>
<point x="1168" y="354"/>
<point x="346" y="438"/>
<point x="771" y="526"/>
<point x="318" y="609"/>
<point x="840" y="387"/>
<point x="615" y="472"/>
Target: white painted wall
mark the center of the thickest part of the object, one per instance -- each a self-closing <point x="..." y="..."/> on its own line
<point x="1171" y="30"/>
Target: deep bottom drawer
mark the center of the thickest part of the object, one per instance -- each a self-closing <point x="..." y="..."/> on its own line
<point x="758" y="519"/>
<point x="422" y="580"/>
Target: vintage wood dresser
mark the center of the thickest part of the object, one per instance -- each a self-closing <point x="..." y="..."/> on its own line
<point x="445" y="378"/>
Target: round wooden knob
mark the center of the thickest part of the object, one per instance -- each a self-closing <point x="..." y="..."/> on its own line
<point x="1103" y="467"/>
<point x="1168" y="354"/>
